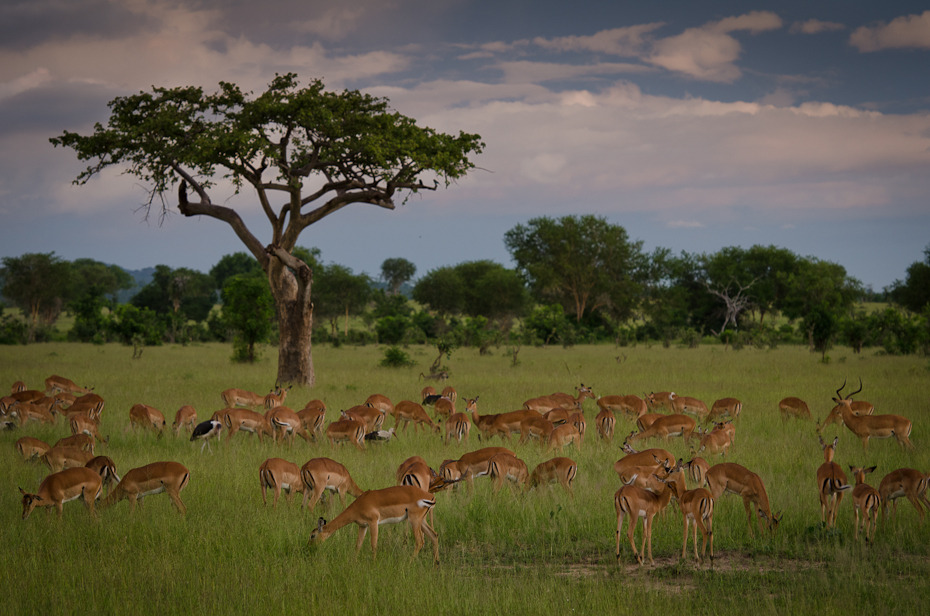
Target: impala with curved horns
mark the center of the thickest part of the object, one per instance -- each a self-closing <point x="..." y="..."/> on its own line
<point x="870" y="426"/>
<point x="384" y="506"/>
<point x="858" y="407"/>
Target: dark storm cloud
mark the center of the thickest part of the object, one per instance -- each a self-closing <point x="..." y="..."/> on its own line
<point x="56" y="107"/>
<point x="29" y="23"/>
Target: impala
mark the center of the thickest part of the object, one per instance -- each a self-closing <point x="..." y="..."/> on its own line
<point x="697" y="508"/>
<point x="559" y="399"/>
<point x="380" y="402"/>
<point x="563" y="435"/>
<point x="385" y="506"/>
<point x="79" y="441"/>
<point x="185" y="417"/>
<point x="482" y="422"/>
<point x="444" y="407"/>
<point x="535" y="427"/>
<point x="31" y="448"/>
<point x="17" y="387"/>
<point x="429" y="392"/>
<point x="719" y="439"/>
<point x="154" y="478"/>
<point x="414" y="471"/>
<point x="605" y="423"/>
<point x="690" y="406"/>
<point x="858" y="407"/>
<point x="506" y="466"/>
<point x="458" y="426"/>
<point x="63" y="486"/>
<point x="106" y="468"/>
<point x="725" y="407"/>
<point x="242" y="397"/>
<point x="409" y="411"/>
<point x="346" y="430"/>
<point x="368" y="416"/>
<point x="92" y="404"/>
<point x="668" y="426"/>
<point x="577" y="419"/>
<point x="475" y="463"/>
<point x="871" y="426"/>
<point x="39" y="411"/>
<point x="636" y="502"/>
<point x="647" y="419"/>
<point x="506" y="423"/>
<point x="449" y="392"/>
<point x="736" y="479"/>
<point x="867" y="501"/>
<point x="563" y="470"/>
<point x="313" y="418"/>
<point x="662" y="399"/>
<point x="275" y="397"/>
<point x="279" y="474"/>
<point x="60" y="458"/>
<point x="696" y="469"/>
<point x="793" y="407"/>
<point x="831" y="483"/>
<point x="285" y="423"/>
<point x="322" y="474"/>
<point x="148" y="417"/>
<point x="907" y="482"/>
<point x="557" y="416"/>
<point x="646" y="457"/>
<point x="236" y="419"/>
<point x="55" y="384"/>
<point x="82" y="423"/>
<point x="629" y="404"/>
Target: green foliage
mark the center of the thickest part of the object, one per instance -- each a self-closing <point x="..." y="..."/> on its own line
<point x="232" y="264"/>
<point x="395" y="357"/>
<point x="128" y="322"/>
<point x="248" y="310"/>
<point x="395" y="272"/>
<point x="38" y="284"/>
<point x="914" y="292"/>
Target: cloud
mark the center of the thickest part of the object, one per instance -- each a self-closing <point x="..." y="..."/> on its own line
<point x="815" y="26"/>
<point x="908" y="32"/>
<point x="627" y="41"/>
<point x="709" y="52"/>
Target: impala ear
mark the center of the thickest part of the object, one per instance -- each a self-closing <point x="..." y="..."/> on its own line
<point x="320" y="524"/>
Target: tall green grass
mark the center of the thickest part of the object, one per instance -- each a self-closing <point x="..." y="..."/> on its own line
<point x="534" y="553"/>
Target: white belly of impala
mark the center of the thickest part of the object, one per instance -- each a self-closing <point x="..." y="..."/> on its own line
<point x="394" y="520"/>
<point x="157" y="490"/>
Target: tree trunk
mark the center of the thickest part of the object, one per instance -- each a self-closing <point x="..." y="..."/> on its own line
<point x="290" y="280"/>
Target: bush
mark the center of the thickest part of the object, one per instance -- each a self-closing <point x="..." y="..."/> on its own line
<point x="395" y="357"/>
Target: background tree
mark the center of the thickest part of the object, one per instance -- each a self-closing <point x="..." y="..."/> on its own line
<point x="94" y="287"/>
<point x="180" y="295"/>
<point x="340" y="293"/>
<point x="580" y="262"/>
<point x="37" y="284"/>
<point x="914" y="292"/>
<point x="230" y="265"/>
<point x="395" y="272"/>
<point x="820" y="295"/>
<point x="348" y="147"/>
<point x="248" y="309"/>
<point x="442" y="290"/>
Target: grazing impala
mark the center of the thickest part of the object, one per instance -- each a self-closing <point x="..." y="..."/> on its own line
<point x="719" y="439"/>
<point x="563" y="435"/>
<point x="605" y="422"/>
<point x="731" y="477"/>
<point x="559" y="400"/>
<point x="368" y="416"/>
<point x="385" y="506"/>
<point x="871" y="426"/>
<point x="630" y="404"/>
<point x="444" y="407"/>
<point x="186" y="418"/>
<point x="794" y="407"/>
<point x="831" y="483"/>
<point x="506" y="466"/>
<point x="279" y="474"/>
<point x="661" y="400"/>
<point x="458" y="426"/>
<point x="409" y="411"/>
<point x="285" y="423"/>
<point x="668" y="426"/>
<point x="313" y="418"/>
<point x="866" y="501"/>
<point x="535" y="427"/>
<point x="60" y="458"/>
<point x="349" y="430"/>
<point x="55" y="384"/>
<point x="80" y="441"/>
<point x="81" y="423"/>
<point x="236" y="419"/>
<point x="697" y="507"/>
<point x="558" y="469"/>
<point x="414" y="471"/>
<point x="475" y="463"/>
<point x="690" y="406"/>
<point x="39" y="410"/>
<point x="322" y="474"/>
<point x="154" y="478"/>
<point x="63" y="486"/>
<point x="17" y="387"/>
<point x="31" y="448"/>
<point x="106" y="468"/>
<point x="147" y="417"/>
<point x="380" y="402"/>
<point x="725" y="408"/>
<point x="507" y="423"/>
<point x="92" y="404"/>
<point x="696" y="470"/>
<point x="907" y="482"/>
<point x="242" y="397"/>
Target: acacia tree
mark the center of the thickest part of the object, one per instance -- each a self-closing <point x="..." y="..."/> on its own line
<point x="306" y="152"/>
<point x="396" y="271"/>
<point x="37" y="283"/>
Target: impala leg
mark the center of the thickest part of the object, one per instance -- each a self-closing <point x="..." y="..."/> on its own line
<point x="361" y="537"/>
<point x="619" y="526"/>
<point x="176" y="499"/>
<point x="630" y="530"/>
<point x="374" y="541"/>
<point x="684" y="545"/>
<point x="417" y="527"/>
<point x="746" y="505"/>
<point x="647" y="531"/>
<point x="856" y="533"/>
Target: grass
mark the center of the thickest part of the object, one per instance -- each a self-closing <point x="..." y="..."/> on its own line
<point x="509" y="553"/>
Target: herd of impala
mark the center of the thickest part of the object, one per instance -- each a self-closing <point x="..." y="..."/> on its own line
<point x="650" y="478"/>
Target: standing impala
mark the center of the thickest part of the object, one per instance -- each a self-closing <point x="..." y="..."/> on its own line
<point x="346" y="430"/>
<point x="793" y="407"/>
<point x="475" y="463"/>
<point x="871" y="426"/>
<point x="506" y="466"/>
<point x="858" y="407"/>
<point x="725" y="407"/>
<point x="668" y="426"/>
<point x="56" y="384"/>
<point x="147" y="417"/>
<point x="63" y="486"/>
<point x="697" y="507"/>
<point x="636" y="502"/>
<point x="907" y="482"/>
<point x="831" y="483"/>
<point x="558" y="469"/>
<point x="458" y="427"/>
<point x="731" y="477"/>
<point x="385" y="506"/>
<point x="322" y="474"/>
<point x="866" y="501"/>
<point x="630" y="404"/>
<point x="605" y="423"/>
<point x="559" y="400"/>
<point x="279" y="474"/>
<point x="154" y="478"/>
<point x="185" y="417"/>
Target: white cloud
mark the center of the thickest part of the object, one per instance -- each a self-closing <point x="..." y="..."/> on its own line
<point x="815" y="26"/>
<point x="908" y="32"/>
<point x="627" y="41"/>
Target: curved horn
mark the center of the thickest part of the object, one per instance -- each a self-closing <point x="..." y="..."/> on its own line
<point x="857" y="391"/>
<point x="838" y="395"/>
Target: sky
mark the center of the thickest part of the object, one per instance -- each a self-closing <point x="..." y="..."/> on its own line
<point x="693" y="125"/>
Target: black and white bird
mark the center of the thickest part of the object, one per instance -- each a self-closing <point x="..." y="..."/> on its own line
<point x="380" y="435"/>
<point x="206" y="430"/>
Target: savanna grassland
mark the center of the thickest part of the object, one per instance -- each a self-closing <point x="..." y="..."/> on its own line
<point x="506" y="553"/>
